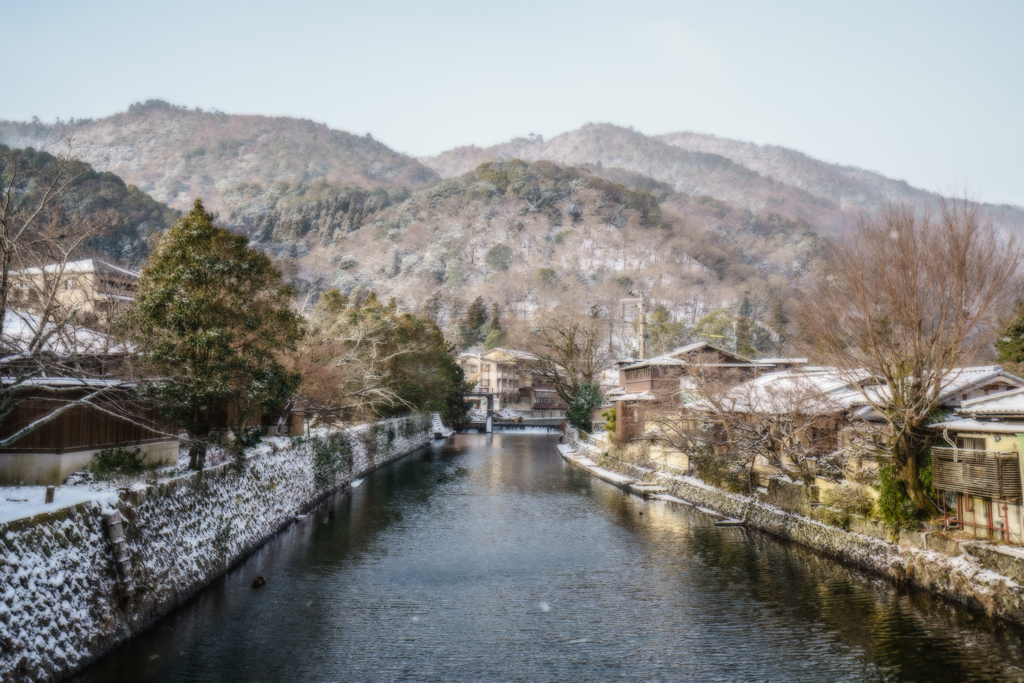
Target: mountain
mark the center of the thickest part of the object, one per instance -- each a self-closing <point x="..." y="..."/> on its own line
<point x="697" y="222"/>
<point x="828" y="196"/>
<point x="529" y="235"/>
<point x="177" y="154"/>
<point x="132" y="218"/>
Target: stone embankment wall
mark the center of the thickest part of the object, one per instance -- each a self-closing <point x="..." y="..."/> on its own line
<point x="63" y="603"/>
<point x="960" y="573"/>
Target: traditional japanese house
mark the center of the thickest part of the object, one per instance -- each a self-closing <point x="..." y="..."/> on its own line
<point x="977" y="472"/>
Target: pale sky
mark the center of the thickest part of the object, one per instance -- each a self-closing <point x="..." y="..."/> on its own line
<point x="928" y="92"/>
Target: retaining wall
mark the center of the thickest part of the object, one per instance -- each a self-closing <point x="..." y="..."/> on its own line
<point x="62" y="605"/>
<point x="965" y="578"/>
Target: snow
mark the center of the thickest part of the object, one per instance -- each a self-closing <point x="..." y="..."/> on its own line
<point x="17" y="502"/>
<point x="61" y="604"/>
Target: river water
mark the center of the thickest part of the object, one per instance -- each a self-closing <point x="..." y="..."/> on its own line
<point x="488" y="558"/>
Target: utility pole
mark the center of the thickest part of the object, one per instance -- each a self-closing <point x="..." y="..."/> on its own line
<point x="641" y="323"/>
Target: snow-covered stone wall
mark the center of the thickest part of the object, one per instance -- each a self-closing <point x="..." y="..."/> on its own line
<point x="959" y="573"/>
<point x="62" y="605"/>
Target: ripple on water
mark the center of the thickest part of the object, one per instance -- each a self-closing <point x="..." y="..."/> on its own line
<point x="489" y="559"/>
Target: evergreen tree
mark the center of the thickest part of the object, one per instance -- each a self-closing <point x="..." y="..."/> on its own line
<point x="210" y="317"/>
<point x="471" y="329"/>
<point x="495" y="334"/>
<point x="495" y="317"/>
<point x="1010" y="345"/>
<point x="584" y="401"/>
<point x="744" y="330"/>
<point x="778" y="320"/>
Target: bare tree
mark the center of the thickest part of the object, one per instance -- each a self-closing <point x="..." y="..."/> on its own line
<point x="350" y="359"/>
<point x="776" y="422"/>
<point x="48" y="353"/>
<point x="569" y="348"/>
<point x="910" y="297"/>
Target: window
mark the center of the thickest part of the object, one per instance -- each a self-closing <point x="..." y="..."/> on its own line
<point x="70" y="283"/>
<point x="971" y="443"/>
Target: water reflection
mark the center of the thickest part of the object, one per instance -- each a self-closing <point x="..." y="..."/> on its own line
<point x="488" y="558"/>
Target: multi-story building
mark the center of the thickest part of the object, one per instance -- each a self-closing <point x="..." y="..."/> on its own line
<point x="505" y="375"/>
<point x="94" y="289"/>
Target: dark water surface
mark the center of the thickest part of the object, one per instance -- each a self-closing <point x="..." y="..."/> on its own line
<point x="489" y="559"/>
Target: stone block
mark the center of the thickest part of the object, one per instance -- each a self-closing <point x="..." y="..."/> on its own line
<point x="789" y="496"/>
<point x="942" y="543"/>
<point x="1005" y="560"/>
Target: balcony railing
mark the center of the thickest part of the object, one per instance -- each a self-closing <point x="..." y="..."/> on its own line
<point x="988" y="474"/>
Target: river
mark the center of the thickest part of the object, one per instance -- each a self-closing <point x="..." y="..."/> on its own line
<point x="487" y="558"/>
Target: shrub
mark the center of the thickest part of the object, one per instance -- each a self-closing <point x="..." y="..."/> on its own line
<point x="895" y="507"/>
<point x="332" y="455"/>
<point x="242" y="441"/>
<point x="838" y="504"/>
<point x="609" y="423"/>
<point x="832" y="517"/>
<point x="587" y="398"/>
<point x="717" y="472"/>
<point x="546" y="276"/>
<point x="849" y="498"/>
<point x="114" y="462"/>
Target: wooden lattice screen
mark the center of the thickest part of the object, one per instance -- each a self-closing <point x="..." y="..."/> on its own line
<point x="989" y="474"/>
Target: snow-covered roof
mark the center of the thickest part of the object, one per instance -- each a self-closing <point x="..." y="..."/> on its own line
<point x="513" y="353"/>
<point x="971" y="425"/>
<point x="84" y="266"/>
<point x="1005" y="403"/>
<point x="816" y="392"/>
<point x="21" y="327"/>
<point x="642" y="396"/>
<point x="677" y="357"/>
<point x="960" y="381"/>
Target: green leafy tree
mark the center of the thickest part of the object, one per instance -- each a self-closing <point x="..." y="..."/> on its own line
<point x="716" y="328"/>
<point x="663" y="334"/>
<point x="366" y="360"/>
<point x="210" y="317"/>
<point x="587" y="398"/>
<point x="495" y="338"/>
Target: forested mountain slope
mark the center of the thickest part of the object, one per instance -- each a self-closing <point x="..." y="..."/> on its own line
<point x="529" y="235"/>
<point x="131" y="218"/>
<point x="745" y="175"/>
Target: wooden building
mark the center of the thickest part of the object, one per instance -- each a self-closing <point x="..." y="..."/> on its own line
<point x="977" y="473"/>
<point x="64" y="444"/>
